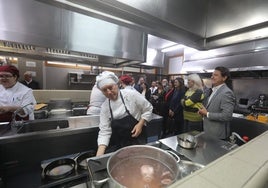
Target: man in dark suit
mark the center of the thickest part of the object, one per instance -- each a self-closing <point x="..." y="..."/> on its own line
<point x="218" y="109"/>
<point x="29" y="82"/>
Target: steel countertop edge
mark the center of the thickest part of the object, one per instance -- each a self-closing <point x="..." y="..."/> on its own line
<point x="77" y="124"/>
<point x="208" y="148"/>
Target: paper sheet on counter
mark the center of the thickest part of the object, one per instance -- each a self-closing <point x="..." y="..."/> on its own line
<point x="39" y="106"/>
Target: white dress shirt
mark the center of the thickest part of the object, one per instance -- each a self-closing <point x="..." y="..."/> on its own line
<point x="214" y="90"/>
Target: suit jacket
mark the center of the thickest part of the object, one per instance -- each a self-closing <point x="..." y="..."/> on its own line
<point x="138" y="87"/>
<point x="33" y="84"/>
<point x="220" y="108"/>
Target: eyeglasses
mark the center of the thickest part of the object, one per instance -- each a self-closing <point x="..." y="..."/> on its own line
<point x="6" y="76"/>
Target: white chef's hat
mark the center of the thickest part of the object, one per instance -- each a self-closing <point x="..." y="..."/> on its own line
<point x="106" y="78"/>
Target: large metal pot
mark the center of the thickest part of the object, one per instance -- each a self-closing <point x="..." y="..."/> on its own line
<point x="141" y="166"/>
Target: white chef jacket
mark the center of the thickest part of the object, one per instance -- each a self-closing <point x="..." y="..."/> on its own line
<point x="95" y="101"/>
<point x="136" y="104"/>
<point x="18" y="95"/>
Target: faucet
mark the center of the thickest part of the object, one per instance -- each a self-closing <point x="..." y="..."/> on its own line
<point x="14" y="123"/>
<point x="234" y="136"/>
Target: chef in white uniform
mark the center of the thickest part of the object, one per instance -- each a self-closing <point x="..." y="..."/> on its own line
<point x="123" y="115"/>
<point x="14" y="96"/>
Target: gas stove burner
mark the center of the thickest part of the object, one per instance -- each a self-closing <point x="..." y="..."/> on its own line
<point x="65" y="171"/>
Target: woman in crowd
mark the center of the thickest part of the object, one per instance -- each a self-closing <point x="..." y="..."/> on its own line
<point x="167" y="99"/>
<point x="122" y="117"/>
<point x="14" y="96"/>
<point x="157" y="99"/>
<point x="175" y="107"/>
<point x="192" y="102"/>
<point x="145" y="91"/>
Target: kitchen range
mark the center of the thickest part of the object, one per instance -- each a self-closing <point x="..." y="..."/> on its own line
<point x="189" y="160"/>
<point x="63" y="172"/>
<point x="23" y="155"/>
<point x="82" y="177"/>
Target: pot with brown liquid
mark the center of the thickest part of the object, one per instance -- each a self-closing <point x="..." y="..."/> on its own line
<point x="141" y="166"/>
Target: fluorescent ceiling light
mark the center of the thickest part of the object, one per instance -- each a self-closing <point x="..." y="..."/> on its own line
<point x="93" y="11"/>
<point x="151" y="54"/>
<point x="189" y="50"/>
<point x="172" y="48"/>
<point x="83" y="66"/>
<point x="61" y="63"/>
<point x="242" y="37"/>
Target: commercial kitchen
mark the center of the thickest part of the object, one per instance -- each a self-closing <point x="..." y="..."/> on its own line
<point x="66" y="43"/>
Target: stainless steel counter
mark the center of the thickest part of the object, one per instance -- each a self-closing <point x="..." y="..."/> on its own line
<point x="74" y="122"/>
<point x="93" y="120"/>
<point x="81" y="135"/>
<point x="83" y="121"/>
<point x="208" y="148"/>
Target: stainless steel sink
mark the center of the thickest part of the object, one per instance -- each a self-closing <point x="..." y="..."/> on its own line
<point x="43" y="125"/>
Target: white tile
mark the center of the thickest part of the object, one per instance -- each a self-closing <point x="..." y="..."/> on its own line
<point x="194" y="182"/>
<point x="258" y="146"/>
<point x="260" y="179"/>
<point x="230" y="172"/>
<point x="252" y="155"/>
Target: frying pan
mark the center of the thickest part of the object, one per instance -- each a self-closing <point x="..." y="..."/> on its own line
<point x="59" y="168"/>
<point x="81" y="160"/>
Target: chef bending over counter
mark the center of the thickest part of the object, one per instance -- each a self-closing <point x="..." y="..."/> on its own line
<point x="122" y="117"/>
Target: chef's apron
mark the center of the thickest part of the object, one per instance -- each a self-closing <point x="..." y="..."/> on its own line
<point x="121" y="131"/>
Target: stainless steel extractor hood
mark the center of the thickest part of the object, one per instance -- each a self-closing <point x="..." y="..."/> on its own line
<point x="41" y="31"/>
<point x="201" y="24"/>
<point x="13" y="49"/>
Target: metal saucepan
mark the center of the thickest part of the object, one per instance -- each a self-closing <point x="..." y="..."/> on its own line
<point x="59" y="168"/>
<point x="141" y="166"/>
<point x="81" y="160"/>
<point x="187" y="141"/>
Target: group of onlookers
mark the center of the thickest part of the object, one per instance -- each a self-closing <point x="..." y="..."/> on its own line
<point x="125" y="107"/>
<point x="184" y="106"/>
<point x="128" y="106"/>
<point x="174" y="101"/>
